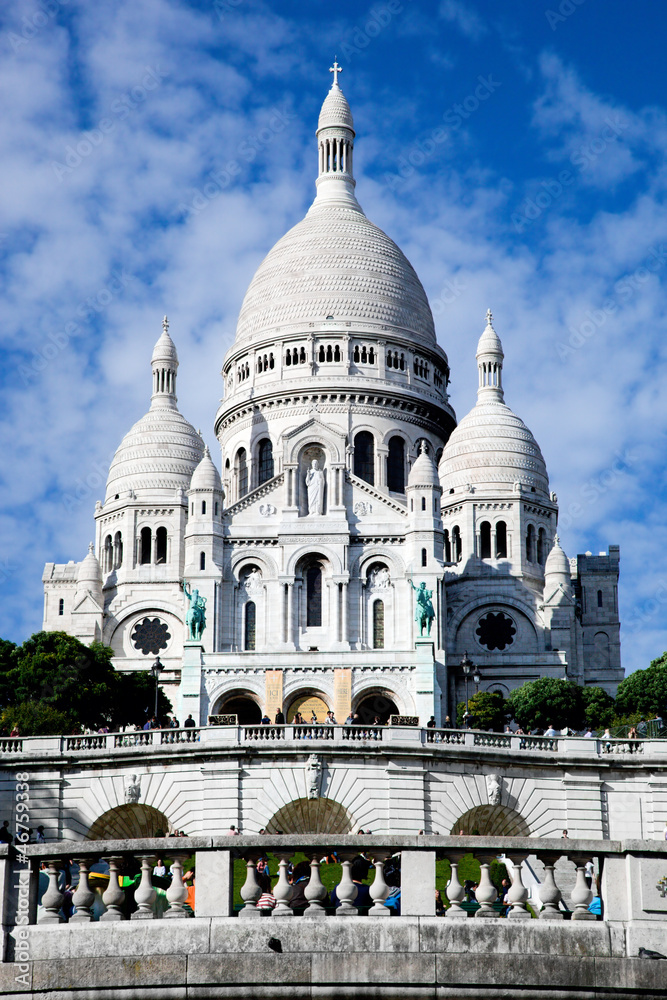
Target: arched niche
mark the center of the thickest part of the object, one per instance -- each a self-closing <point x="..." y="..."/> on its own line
<point x="376" y="703"/>
<point x="242" y="704"/>
<point x="491" y="821"/>
<point x="306" y="703"/>
<point x="129" y="822"/>
<point x="313" y="452"/>
<point x="311" y="816"/>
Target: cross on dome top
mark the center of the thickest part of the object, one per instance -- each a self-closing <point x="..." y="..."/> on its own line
<point x="489" y="318"/>
<point x="335" y="69"/>
<point x="165" y="325"/>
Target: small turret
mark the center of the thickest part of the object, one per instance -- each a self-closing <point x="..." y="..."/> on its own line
<point x="557" y="579"/>
<point x="164" y="363"/>
<point x="335" y="142"/>
<point x="89" y="578"/>
<point x="490" y="357"/>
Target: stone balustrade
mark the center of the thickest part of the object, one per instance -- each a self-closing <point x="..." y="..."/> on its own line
<point x="258" y="958"/>
<point x="403" y="737"/>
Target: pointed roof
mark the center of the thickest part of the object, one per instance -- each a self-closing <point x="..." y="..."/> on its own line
<point x="423" y="471"/>
<point x="206" y="475"/>
<point x="165" y="348"/>
<point x="89" y="571"/>
<point x="557" y="563"/>
<point x="335" y="110"/>
<point x="489" y="342"/>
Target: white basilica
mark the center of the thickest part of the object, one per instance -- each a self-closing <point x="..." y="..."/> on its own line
<point x="346" y="483"/>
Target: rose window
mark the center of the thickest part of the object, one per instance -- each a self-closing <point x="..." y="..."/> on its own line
<point x="495" y="630"/>
<point x="150" y="636"/>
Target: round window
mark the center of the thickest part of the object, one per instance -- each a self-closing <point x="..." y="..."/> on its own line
<point x="150" y="635"/>
<point x="495" y="630"/>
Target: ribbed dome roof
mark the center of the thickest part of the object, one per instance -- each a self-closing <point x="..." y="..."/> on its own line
<point x="335" y="110"/>
<point x="336" y="264"/>
<point x="557" y="563"/>
<point x="206" y="476"/>
<point x="165" y="348"/>
<point x="160" y="452"/>
<point x="492" y="446"/>
<point x="89" y="569"/>
<point x="423" y="471"/>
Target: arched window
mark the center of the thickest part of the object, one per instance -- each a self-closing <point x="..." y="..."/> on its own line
<point x="241" y="473"/>
<point x="161" y="545"/>
<point x="202" y="560"/>
<point x="501" y="540"/>
<point x="530" y="543"/>
<point x="288" y="358"/>
<point x="336" y="353"/>
<point x="249" y="626"/>
<point x="396" y="465"/>
<point x="424" y="557"/>
<point x="108" y="554"/>
<point x="117" y="550"/>
<point x="601" y="653"/>
<point x="541" y="546"/>
<point x="378" y="624"/>
<point x="321" y="353"/>
<point x="203" y="506"/>
<point x="264" y="461"/>
<point x="448" y="547"/>
<point x="313" y="597"/>
<point x="364" y="457"/>
<point x="457" y="550"/>
<point x="485" y="540"/>
<point x="61" y="606"/>
<point x="423" y="503"/>
<point x="145" y="545"/>
<point x="216" y="508"/>
<point x="599" y="598"/>
<point x="302" y="356"/>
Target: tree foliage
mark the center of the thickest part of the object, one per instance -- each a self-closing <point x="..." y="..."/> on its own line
<point x="56" y="671"/>
<point x="36" y="718"/>
<point x="488" y="709"/>
<point x="598" y="706"/>
<point x="645" y="691"/>
<point x="547" y="701"/>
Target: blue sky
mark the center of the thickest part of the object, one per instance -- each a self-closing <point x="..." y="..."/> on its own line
<point x="154" y="150"/>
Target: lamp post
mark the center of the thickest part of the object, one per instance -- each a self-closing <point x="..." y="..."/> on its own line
<point x="467" y="666"/>
<point x="156" y="670"/>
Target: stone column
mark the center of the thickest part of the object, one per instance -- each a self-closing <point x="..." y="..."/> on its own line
<point x="518" y="894"/>
<point x="145" y="895"/>
<point x="282" y="889"/>
<point x="113" y="896"/>
<point x="455" y="891"/>
<point x="177" y="893"/>
<point x="379" y="889"/>
<point x="315" y="892"/>
<point x="581" y="894"/>
<point x="346" y="889"/>
<point x="52" y="899"/>
<point x="251" y="889"/>
<point x="83" y="896"/>
<point x="550" y="895"/>
<point x="486" y="891"/>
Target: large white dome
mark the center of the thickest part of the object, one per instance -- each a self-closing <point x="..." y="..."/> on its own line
<point x="336" y="264"/>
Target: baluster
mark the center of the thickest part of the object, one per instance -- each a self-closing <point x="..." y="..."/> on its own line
<point x="282" y="889"/>
<point x="486" y="891"/>
<point x="550" y="894"/>
<point x="517" y="894"/>
<point x="251" y="890"/>
<point x="145" y="894"/>
<point x="315" y="892"/>
<point x="346" y="889"/>
<point x="379" y="889"/>
<point x="581" y="894"/>
<point x="83" y="896"/>
<point x="113" y="896"/>
<point x="177" y="893"/>
<point x="52" y="899"/>
<point x="455" y="891"/>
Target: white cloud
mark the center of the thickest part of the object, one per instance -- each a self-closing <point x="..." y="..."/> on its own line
<point x="466" y="19"/>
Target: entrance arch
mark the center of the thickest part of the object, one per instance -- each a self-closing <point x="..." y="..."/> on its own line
<point x="244" y="706"/>
<point x="491" y="821"/>
<point x="307" y="703"/>
<point x="129" y="822"/>
<point x="311" y="816"/>
<point x="374" y="703"/>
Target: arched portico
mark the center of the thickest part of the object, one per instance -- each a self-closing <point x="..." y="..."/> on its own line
<point x="311" y="816"/>
<point x="129" y="820"/>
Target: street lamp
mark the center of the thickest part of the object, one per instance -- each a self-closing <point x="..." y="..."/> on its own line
<point x="467" y="666"/>
<point x="156" y="670"/>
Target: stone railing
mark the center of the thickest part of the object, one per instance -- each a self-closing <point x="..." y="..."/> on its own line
<point x="404" y="737"/>
<point x="618" y="863"/>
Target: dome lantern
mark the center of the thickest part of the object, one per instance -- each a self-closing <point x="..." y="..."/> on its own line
<point x="335" y="142"/>
<point x="164" y="363"/>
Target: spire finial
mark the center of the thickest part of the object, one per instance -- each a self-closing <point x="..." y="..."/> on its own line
<point x="489" y="318"/>
<point x="165" y="325"/>
<point x="335" y="69"/>
<point x="422" y="448"/>
<point x="91" y="548"/>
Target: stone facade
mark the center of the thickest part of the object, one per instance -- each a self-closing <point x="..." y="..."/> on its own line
<point x="345" y="483"/>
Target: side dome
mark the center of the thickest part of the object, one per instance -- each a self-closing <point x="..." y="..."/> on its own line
<point x="162" y="450"/>
<point x="492" y="447"/>
<point x="206" y="476"/>
<point x="335" y="264"/>
<point x="423" y="471"/>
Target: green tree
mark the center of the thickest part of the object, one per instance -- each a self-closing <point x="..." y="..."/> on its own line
<point x="599" y="707"/>
<point x="644" y="691"/>
<point x="36" y="718"/>
<point x="54" y="669"/>
<point x="488" y="709"/>
<point x="549" y="700"/>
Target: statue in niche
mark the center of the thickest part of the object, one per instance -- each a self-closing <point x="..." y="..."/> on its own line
<point x="314" y="775"/>
<point x="380" y="578"/>
<point x="132" y="790"/>
<point x="253" y="581"/>
<point x="315" y="487"/>
<point x="494" y="788"/>
<point x="424" y="610"/>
